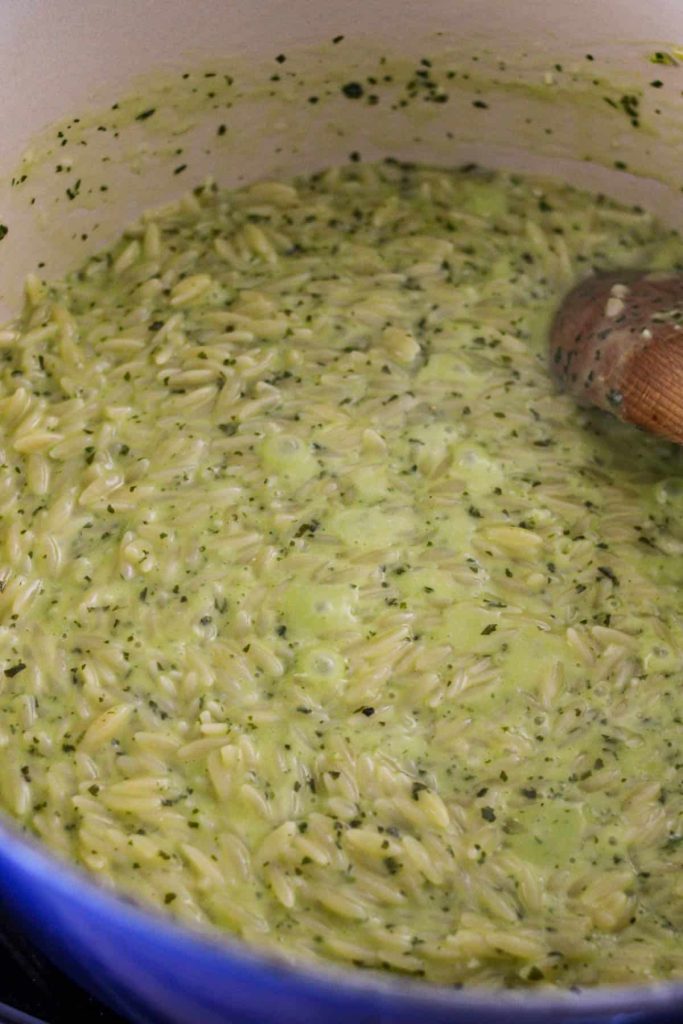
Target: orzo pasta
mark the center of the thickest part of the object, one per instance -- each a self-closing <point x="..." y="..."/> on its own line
<point x="323" y="619"/>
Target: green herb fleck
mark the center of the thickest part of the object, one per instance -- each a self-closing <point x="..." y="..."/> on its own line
<point x="662" y="57"/>
<point x="15" y="670"/>
<point x="353" y="90"/>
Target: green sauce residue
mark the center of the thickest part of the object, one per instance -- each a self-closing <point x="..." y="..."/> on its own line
<point x="447" y="99"/>
<point x="323" y="619"/>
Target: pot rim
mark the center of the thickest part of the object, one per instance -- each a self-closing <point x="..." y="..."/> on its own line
<point x="31" y="857"/>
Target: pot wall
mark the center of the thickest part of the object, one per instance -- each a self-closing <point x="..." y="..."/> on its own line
<point x="71" y="194"/>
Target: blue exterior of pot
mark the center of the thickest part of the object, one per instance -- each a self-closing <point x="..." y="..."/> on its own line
<point x="155" y="972"/>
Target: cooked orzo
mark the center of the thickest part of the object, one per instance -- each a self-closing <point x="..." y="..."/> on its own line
<point x="323" y="619"/>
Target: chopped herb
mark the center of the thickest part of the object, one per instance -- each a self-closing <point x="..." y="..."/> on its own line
<point x="15" y="670"/>
<point x="662" y="57"/>
<point x="308" y="529"/>
<point x="353" y="90"/>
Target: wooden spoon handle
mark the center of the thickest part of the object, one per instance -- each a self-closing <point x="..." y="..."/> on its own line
<point x="617" y="343"/>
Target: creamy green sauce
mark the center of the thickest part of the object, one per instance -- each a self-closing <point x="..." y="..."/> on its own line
<point x="324" y="620"/>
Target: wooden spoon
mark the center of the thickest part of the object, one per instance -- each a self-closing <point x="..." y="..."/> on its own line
<point x="617" y="343"/>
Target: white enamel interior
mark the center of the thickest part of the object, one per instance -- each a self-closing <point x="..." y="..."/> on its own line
<point x="63" y="57"/>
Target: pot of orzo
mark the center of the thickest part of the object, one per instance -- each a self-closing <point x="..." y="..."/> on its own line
<point x="340" y="654"/>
